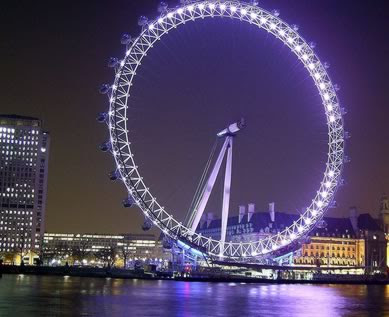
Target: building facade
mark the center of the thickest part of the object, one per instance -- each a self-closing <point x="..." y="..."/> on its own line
<point x="99" y="249"/>
<point x="384" y="220"/>
<point x="24" y="147"/>
<point x="335" y="243"/>
<point x="355" y="241"/>
<point x="384" y="213"/>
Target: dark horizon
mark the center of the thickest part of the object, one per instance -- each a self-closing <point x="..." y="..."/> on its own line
<point x="54" y="60"/>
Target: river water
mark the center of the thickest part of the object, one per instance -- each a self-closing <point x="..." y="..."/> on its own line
<point x="23" y="295"/>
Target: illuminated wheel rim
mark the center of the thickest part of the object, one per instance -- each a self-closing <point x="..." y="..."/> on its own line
<point x="120" y="137"/>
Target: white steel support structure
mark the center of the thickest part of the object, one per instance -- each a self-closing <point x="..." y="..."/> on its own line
<point x="199" y="209"/>
<point x="226" y="194"/>
<point x="228" y="133"/>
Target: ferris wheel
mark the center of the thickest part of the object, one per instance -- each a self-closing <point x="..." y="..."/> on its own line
<point x="139" y="194"/>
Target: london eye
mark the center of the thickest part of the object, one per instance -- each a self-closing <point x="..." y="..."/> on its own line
<point x="119" y="94"/>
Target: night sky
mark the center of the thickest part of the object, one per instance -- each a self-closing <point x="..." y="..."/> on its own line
<point x="197" y="80"/>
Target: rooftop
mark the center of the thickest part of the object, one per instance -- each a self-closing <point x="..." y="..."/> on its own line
<point x="17" y="117"/>
<point x="261" y="220"/>
<point x="18" y="120"/>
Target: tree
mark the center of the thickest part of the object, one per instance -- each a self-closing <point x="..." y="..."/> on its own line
<point x="21" y="245"/>
<point x="80" y="251"/>
<point x="107" y="255"/>
<point x="43" y="254"/>
<point x="124" y="252"/>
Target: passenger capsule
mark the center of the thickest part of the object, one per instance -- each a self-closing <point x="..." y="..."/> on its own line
<point x="106" y="146"/>
<point x="125" y="39"/>
<point x="112" y="62"/>
<point x="104" y="88"/>
<point x="102" y="117"/>
<point x="322" y="224"/>
<point x="337" y="87"/>
<point x="142" y="21"/>
<point x="147" y="225"/>
<point x="167" y="243"/>
<point x="162" y="7"/>
<point x="113" y="176"/>
<point x="128" y="202"/>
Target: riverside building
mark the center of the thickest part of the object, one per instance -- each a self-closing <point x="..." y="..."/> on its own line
<point x="357" y="241"/>
<point x="24" y="147"/>
<point x="84" y="248"/>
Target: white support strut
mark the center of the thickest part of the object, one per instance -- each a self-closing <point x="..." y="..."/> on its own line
<point x="226" y="194"/>
<point x="209" y="186"/>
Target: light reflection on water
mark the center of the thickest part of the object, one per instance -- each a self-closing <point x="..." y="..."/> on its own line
<point x="23" y="295"/>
